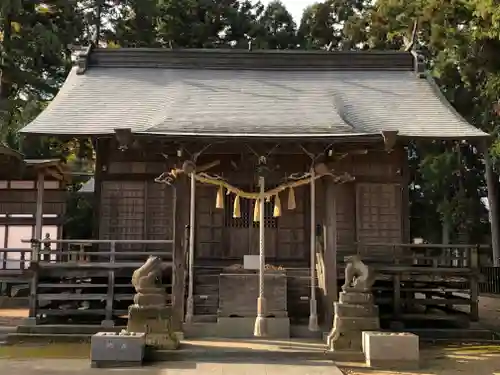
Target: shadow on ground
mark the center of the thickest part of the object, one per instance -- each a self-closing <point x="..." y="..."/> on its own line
<point x="450" y="360"/>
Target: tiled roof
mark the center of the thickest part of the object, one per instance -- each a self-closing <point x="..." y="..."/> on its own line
<point x="250" y="94"/>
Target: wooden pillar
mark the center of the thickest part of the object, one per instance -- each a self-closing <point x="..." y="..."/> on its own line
<point x="192" y="216"/>
<point x="313" y="305"/>
<point x="110" y="297"/>
<point x="181" y="216"/>
<point x="474" y="284"/>
<point x="405" y="195"/>
<point x="39" y="206"/>
<point x="493" y="205"/>
<point x="36" y="246"/>
<point x="330" y="246"/>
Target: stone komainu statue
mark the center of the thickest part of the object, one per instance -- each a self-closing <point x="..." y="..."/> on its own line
<point x="146" y="281"/>
<point x="358" y="276"/>
<point x="359" y="279"/>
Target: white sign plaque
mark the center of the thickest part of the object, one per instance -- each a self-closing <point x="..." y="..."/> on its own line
<point x="251" y="262"/>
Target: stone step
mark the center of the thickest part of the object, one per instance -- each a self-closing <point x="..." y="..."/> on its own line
<point x="355" y="298"/>
<point x="4" y="332"/>
<point x="350" y="323"/>
<point x="11" y="321"/>
<point x="57" y="329"/>
<point x="227" y="353"/>
<point x="18" y="338"/>
<point x="348" y="310"/>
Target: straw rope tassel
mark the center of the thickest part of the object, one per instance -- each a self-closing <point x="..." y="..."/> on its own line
<point x="313" y="306"/>
<point x="260" y="328"/>
<point x="219" y="202"/>
<point x="277" y="206"/>
<point x="256" y="210"/>
<point x="291" y="199"/>
<point x="236" y="208"/>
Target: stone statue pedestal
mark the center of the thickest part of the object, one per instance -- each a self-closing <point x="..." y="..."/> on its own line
<point x="354" y="313"/>
<point x="155" y="322"/>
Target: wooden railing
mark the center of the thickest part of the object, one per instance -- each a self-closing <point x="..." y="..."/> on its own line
<point x="421" y="255"/>
<point x="65" y="257"/>
<point x="10" y="263"/>
<point x="432" y="275"/>
<point x="107" y="255"/>
<point x="77" y="259"/>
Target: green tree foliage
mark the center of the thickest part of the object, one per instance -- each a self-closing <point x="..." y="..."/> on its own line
<point x="448" y="37"/>
<point x="35" y="58"/>
<point x="459" y="39"/>
<point x="277" y="29"/>
<point x="334" y="24"/>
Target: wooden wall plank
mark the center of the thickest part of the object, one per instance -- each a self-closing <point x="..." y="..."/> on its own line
<point x="378" y="213"/>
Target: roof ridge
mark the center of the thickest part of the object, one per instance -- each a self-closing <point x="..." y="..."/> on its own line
<point x="240" y="59"/>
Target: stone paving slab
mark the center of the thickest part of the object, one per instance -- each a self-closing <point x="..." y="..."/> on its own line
<point x="82" y="367"/>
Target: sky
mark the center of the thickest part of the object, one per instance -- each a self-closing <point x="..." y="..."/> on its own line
<point x="294" y="6"/>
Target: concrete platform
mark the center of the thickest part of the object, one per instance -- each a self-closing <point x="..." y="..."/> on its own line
<point x="197" y="330"/>
<point x="252" y="349"/>
<point x="82" y="367"/>
<point x="244" y="327"/>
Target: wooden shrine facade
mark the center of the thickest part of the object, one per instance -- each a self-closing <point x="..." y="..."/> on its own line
<point x="364" y="201"/>
<point x="231" y="119"/>
<point x="370" y="208"/>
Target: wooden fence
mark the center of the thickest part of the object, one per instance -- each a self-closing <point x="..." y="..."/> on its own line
<point x="490" y="283"/>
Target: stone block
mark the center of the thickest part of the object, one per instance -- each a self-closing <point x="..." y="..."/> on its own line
<point x="356" y="298"/>
<point x="112" y="349"/>
<point x="238" y="294"/>
<point x="155" y="322"/>
<point x="107" y="323"/>
<point x="358" y="324"/>
<point x="278" y="328"/>
<point x="345" y="310"/>
<point x="30" y="321"/>
<point x="348" y="341"/>
<point x="390" y="350"/>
